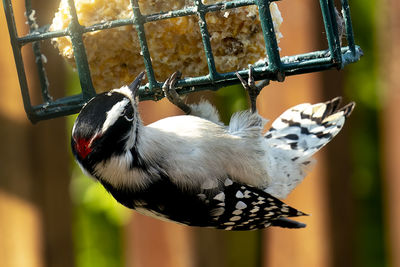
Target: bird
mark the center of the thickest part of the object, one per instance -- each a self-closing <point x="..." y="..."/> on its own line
<point x="194" y="170"/>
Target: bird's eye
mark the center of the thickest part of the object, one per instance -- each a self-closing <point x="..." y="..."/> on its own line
<point x="128" y="114"/>
<point x="128" y="119"/>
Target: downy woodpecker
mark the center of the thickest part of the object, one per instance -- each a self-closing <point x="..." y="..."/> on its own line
<point x="194" y="170"/>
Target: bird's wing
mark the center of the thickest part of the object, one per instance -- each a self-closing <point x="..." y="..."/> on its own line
<point x="230" y="206"/>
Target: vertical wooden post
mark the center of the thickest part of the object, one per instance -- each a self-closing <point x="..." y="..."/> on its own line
<point x="389" y="36"/>
<point x="20" y="219"/>
<point x="35" y="208"/>
<point x="309" y="246"/>
<point x="339" y="191"/>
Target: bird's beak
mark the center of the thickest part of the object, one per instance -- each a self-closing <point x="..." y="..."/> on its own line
<point x="134" y="86"/>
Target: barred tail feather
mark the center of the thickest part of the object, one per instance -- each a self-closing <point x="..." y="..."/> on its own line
<point x="298" y="134"/>
<point x="307" y="128"/>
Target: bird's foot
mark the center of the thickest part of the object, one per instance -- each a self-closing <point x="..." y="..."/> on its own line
<point x="252" y="89"/>
<point x="170" y="92"/>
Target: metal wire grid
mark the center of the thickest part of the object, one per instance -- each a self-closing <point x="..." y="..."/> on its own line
<point x="276" y="68"/>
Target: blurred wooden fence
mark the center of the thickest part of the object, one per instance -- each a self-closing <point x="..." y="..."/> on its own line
<point x="35" y="209"/>
<point x="35" y="206"/>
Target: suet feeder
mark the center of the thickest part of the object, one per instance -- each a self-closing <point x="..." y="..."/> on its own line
<point x="275" y="68"/>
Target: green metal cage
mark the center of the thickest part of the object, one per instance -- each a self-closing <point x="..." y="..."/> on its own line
<point x="276" y="67"/>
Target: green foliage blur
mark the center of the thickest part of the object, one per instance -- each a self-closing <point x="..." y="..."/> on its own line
<point x="362" y="86"/>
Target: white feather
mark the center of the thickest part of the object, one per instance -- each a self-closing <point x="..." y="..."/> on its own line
<point x="191" y="151"/>
<point x="199" y="152"/>
<point x="114" y="113"/>
<point x="205" y="110"/>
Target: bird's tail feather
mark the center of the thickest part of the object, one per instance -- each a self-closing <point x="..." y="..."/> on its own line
<point x="307" y="128"/>
<point x="296" y="135"/>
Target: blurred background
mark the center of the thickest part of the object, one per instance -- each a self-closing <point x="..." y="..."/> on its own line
<point x="52" y="215"/>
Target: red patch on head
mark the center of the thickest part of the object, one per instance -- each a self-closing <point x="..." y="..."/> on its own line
<point x="82" y="147"/>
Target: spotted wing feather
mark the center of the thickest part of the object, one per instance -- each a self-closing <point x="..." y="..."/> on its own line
<point x="230" y="206"/>
<point x="249" y="208"/>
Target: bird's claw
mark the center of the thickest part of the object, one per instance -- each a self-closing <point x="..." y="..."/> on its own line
<point x="252" y="89"/>
<point x="171" y="94"/>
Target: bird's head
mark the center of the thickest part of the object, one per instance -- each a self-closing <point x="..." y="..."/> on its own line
<point x="106" y="124"/>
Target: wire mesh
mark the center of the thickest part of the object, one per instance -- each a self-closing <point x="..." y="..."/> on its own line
<point x="275" y="68"/>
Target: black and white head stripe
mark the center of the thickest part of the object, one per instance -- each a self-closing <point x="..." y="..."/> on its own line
<point x="102" y="129"/>
<point x="117" y="111"/>
<point x="99" y="113"/>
